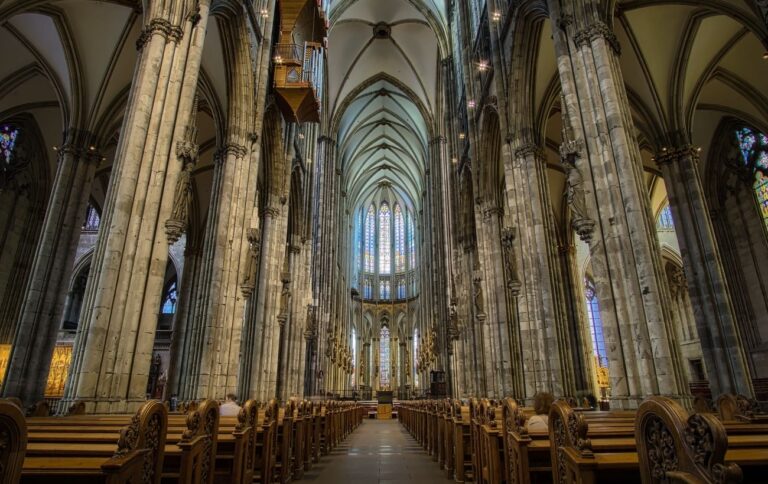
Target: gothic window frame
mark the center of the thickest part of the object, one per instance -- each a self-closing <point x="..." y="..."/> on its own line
<point x="401" y="251"/>
<point x="385" y="239"/>
<point x="170" y="290"/>
<point x="385" y="357"/>
<point x="753" y="149"/>
<point x="596" y="328"/>
<point x="9" y="137"/>
<point x="665" y="222"/>
<point x="370" y="239"/>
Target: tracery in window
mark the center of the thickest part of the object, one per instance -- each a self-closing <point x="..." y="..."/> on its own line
<point x="595" y="324"/>
<point x="385" y="289"/>
<point x="399" y="240"/>
<point x="8" y="137"/>
<point x="384" y="360"/>
<point x="370" y="239"/>
<point x="754" y="152"/>
<point x="664" y="221"/>
<point x="385" y="239"/>
<point x="415" y="356"/>
<point x="354" y="357"/>
<point x="92" y="219"/>
<point x="411" y="242"/>
<point x="169" y="299"/>
<point x="401" y="294"/>
<point x="367" y="289"/>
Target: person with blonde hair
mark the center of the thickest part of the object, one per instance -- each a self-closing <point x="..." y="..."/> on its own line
<point x="230" y="408"/>
<point x="542" y="402"/>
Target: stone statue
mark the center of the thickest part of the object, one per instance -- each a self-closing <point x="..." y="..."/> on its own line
<point x="310" y="329"/>
<point x="508" y="236"/>
<point x="177" y="223"/>
<point x="252" y="265"/>
<point x="477" y="284"/>
<point x="285" y="296"/>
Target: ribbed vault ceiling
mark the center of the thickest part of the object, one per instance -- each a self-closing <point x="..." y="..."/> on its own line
<point x="383" y="75"/>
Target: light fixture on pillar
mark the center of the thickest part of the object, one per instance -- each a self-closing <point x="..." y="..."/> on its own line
<point x="496" y="16"/>
<point x="482" y="66"/>
<point x="471" y="104"/>
<point x="264" y="13"/>
<point x="462" y="135"/>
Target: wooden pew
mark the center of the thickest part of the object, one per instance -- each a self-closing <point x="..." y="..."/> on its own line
<point x="675" y="446"/>
<point x="14" y="430"/>
<point x="137" y="457"/>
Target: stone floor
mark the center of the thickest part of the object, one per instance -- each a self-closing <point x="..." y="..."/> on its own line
<point x="379" y="451"/>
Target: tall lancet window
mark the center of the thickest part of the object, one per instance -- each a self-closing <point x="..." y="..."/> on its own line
<point x="354" y="357"/>
<point x="384" y="360"/>
<point x="370" y="239"/>
<point x="415" y="357"/>
<point x="595" y="324"/>
<point x="385" y="239"/>
<point x="411" y="242"/>
<point x="754" y="152"/>
<point x="399" y="240"/>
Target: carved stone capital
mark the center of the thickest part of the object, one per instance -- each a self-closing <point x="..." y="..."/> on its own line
<point x="597" y="30"/>
<point x="529" y="149"/>
<point x="673" y="155"/>
<point x="571" y="149"/>
<point x="238" y="150"/>
<point x="159" y="26"/>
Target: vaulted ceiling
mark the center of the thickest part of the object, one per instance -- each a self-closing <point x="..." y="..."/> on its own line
<point x="70" y="63"/>
<point x="383" y="64"/>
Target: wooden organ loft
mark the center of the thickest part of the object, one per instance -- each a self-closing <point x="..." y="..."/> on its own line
<point x="299" y="60"/>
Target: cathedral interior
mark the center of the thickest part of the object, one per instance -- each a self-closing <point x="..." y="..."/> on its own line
<point x="434" y="204"/>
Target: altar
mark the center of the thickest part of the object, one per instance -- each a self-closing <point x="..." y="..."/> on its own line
<point x="384" y="408"/>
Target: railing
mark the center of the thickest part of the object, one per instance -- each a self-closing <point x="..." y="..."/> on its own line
<point x="303" y="65"/>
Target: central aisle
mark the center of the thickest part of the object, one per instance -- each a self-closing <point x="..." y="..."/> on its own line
<point x="378" y="451"/>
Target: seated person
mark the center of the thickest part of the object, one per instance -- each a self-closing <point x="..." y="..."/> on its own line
<point x="230" y="408"/>
<point x="541" y="403"/>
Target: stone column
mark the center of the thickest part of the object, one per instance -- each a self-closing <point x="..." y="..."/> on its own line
<point x="43" y="301"/>
<point x="610" y="208"/>
<point x="113" y="348"/>
<point x="715" y="320"/>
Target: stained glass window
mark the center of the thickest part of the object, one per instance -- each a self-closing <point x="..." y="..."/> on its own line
<point x="595" y="324"/>
<point x="370" y="239"/>
<point x="169" y="300"/>
<point x="411" y="242"/>
<point x="664" y="220"/>
<point x="401" y="288"/>
<point x="367" y="289"/>
<point x="8" y="136"/>
<point x="354" y="357"/>
<point x="92" y="219"/>
<point x="384" y="360"/>
<point x="415" y="356"/>
<point x="754" y="151"/>
<point x="761" y="192"/>
<point x="385" y="290"/>
<point x="399" y="240"/>
<point x="385" y="239"/>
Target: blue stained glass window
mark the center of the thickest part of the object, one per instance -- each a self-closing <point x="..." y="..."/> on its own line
<point x="384" y="360"/>
<point x="385" y="290"/>
<point x="354" y="357"/>
<point x="367" y="289"/>
<point x="169" y="300"/>
<point x="761" y="192"/>
<point x="399" y="240"/>
<point x="8" y="137"/>
<point x="385" y="239"/>
<point x="664" y="220"/>
<point x="401" y="289"/>
<point x="754" y="151"/>
<point x="415" y="356"/>
<point x="411" y="242"/>
<point x="596" y="324"/>
<point x="370" y="239"/>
